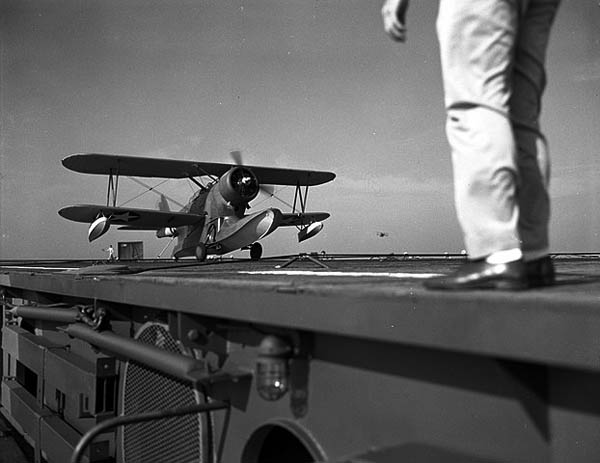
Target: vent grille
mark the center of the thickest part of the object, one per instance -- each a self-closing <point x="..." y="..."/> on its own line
<point x="177" y="440"/>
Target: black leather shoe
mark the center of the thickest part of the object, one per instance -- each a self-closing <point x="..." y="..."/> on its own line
<point x="478" y="274"/>
<point x="540" y="272"/>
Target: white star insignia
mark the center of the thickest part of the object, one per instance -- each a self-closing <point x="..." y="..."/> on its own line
<point x="125" y="217"/>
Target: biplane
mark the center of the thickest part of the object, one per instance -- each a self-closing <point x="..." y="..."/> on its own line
<point x="216" y="218"/>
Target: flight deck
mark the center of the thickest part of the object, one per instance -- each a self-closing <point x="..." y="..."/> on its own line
<point x="381" y="369"/>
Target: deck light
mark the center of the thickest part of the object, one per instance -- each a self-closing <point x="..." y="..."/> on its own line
<point x="272" y="368"/>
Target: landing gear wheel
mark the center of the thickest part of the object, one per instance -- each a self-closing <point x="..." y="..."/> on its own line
<point x="256" y="251"/>
<point x="201" y="252"/>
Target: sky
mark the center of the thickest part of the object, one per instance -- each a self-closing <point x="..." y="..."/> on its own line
<point x="299" y="84"/>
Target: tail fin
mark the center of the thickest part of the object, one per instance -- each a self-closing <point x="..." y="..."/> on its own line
<point x="163" y="204"/>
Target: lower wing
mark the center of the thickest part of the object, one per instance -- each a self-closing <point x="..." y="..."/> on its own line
<point x="135" y="219"/>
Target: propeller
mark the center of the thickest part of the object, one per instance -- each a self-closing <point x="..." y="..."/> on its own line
<point x="236" y="156"/>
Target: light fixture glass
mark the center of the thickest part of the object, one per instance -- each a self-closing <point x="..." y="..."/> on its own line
<point x="272" y="368"/>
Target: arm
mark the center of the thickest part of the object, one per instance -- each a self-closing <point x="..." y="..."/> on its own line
<point x="393" y="13"/>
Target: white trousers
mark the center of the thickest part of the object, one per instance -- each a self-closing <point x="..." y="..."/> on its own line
<point x="493" y="65"/>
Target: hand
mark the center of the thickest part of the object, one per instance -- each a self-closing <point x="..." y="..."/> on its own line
<point x="393" y="13"/>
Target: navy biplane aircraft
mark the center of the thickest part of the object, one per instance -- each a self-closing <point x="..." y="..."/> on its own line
<point x="214" y="221"/>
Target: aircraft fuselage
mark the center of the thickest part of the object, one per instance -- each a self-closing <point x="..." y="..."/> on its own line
<point x="225" y="227"/>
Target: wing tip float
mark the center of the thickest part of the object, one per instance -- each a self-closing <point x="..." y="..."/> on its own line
<point x="98" y="228"/>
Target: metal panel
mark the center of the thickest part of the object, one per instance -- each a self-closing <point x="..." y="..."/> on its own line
<point x="58" y="441"/>
<point x="71" y="387"/>
<point x="25" y="347"/>
<point x="46" y="431"/>
<point x="67" y="382"/>
<point x="22" y="410"/>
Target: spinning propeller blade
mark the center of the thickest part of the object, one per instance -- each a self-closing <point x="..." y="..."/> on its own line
<point x="236" y="156"/>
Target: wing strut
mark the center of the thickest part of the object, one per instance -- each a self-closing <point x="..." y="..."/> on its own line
<point x="113" y="187"/>
<point x="308" y="229"/>
<point x="202" y="187"/>
<point x="299" y="198"/>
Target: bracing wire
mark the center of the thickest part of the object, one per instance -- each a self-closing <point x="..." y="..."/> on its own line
<point x="165" y="248"/>
<point x="272" y="195"/>
<point x="153" y="189"/>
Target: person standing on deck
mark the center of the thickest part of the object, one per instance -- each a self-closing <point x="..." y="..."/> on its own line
<point x="493" y="68"/>
<point x="111" y="253"/>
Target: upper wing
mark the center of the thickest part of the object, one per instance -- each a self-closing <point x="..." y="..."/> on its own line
<point x="170" y="168"/>
<point x="140" y="219"/>
<point x="290" y="220"/>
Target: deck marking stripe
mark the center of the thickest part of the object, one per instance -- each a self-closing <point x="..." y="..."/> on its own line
<point x="19" y="267"/>
<point x="340" y="274"/>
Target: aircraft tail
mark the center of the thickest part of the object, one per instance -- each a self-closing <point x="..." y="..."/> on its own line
<point x="163" y="206"/>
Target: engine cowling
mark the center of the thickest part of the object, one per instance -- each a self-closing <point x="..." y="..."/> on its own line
<point x="239" y="186"/>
